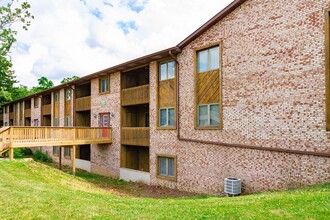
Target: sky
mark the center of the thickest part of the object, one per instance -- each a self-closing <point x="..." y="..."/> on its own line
<point x="80" y="37"/>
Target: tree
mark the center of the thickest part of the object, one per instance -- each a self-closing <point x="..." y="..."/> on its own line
<point x="10" y="13"/>
<point x="68" y="79"/>
<point x="43" y="84"/>
<point x="20" y="92"/>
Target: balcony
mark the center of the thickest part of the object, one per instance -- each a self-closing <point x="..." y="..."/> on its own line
<point x="55" y="136"/>
<point x="27" y="113"/>
<point x="135" y="95"/>
<point x="139" y="136"/>
<point x="83" y="104"/>
<point x="47" y="109"/>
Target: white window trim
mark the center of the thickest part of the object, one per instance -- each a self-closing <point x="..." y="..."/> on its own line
<point x="208" y="115"/>
<point x="167" y="116"/>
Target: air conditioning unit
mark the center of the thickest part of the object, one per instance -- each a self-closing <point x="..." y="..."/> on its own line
<point x="233" y="186"/>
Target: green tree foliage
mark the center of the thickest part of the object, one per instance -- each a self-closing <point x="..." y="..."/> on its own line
<point x="68" y="79"/>
<point x="20" y="92"/>
<point x="43" y="84"/>
<point x="10" y="13"/>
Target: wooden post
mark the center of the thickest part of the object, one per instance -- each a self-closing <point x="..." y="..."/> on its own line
<point x="11" y="149"/>
<point x="74" y="160"/>
<point x="60" y="158"/>
<point x="11" y="153"/>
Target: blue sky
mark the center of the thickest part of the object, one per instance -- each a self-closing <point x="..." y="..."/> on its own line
<point x="79" y="37"/>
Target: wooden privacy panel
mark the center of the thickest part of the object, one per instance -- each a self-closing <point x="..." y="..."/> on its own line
<point x="208" y="87"/>
<point x="83" y="104"/>
<point x="68" y="108"/>
<point x="135" y="95"/>
<point x="166" y="94"/>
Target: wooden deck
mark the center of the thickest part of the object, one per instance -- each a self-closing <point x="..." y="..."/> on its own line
<point x="17" y="137"/>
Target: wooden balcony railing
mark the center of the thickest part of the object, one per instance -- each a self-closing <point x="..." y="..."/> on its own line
<point x="135" y="136"/>
<point x="135" y="95"/>
<point x="56" y="136"/>
<point x="83" y="104"/>
<point x="47" y="109"/>
<point x="27" y="113"/>
<point x="11" y="115"/>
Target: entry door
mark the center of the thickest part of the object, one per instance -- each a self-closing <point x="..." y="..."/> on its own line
<point x="105" y="124"/>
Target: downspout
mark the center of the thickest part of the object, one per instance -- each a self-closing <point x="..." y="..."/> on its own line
<point x="244" y="146"/>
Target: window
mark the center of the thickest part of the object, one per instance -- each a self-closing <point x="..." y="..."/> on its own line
<point x="166" y="117"/>
<point x="208" y="115"/>
<point x="208" y="59"/>
<point x="55" y="122"/>
<point x="36" y="102"/>
<point x="67" y="121"/>
<point x="166" y="70"/>
<point x="55" y="151"/>
<point x="36" y="122"/>
<point x="166" y="166"/>
<point x="104" y="85"/>
<point x="68" y="94"/>
<point x="56" y="97"/>
<point x="67" y="152"/>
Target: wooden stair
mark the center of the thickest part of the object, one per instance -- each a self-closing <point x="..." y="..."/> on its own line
<point x="4" y="140"/>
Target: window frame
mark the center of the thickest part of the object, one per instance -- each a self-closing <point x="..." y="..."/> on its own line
<point x="196" y="122"/>
<point x="56" y="119"/>
<point x="56" y="97"/>
<point x="208" y="58"/>
<point x="36" y="102"/>
<point x="68" y="97"/>
<point x="66" y="120"/>
<point x="159" y="69"/>
<point x="100" y="85"/>
<point x="327" y="65"/>
<point x="58" y="151"/>
<point x="208" y="115"/>
<point x="66" y="150"/>
<point x="158" y="82"/>
<point x="170" y="178"/>
<point x="167" y="117"/>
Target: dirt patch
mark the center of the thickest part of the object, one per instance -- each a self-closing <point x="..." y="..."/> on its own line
<point x="127" y="189"/>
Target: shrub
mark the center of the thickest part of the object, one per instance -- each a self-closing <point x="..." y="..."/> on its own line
<point x="38" y="155"/>
<point x="18" y="153"/>
<point x="26" y="151"/>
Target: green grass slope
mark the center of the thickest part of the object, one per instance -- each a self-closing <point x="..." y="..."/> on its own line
<point x="30" y="190"/>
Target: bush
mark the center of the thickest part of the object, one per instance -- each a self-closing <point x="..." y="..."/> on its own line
<point x="18" y="153"/>
<point x="38" y="155"/>
<point x="26" y="151"/>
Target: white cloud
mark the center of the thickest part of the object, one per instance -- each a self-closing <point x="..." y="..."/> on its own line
<point x="81" y="37"/>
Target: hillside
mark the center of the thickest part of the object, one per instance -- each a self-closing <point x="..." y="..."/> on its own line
<point x="31" y="190"/>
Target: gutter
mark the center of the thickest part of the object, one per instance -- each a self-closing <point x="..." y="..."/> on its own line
<point x="224" y="144"/>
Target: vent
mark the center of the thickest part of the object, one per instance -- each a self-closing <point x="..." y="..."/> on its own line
<point x="233" y="186"/>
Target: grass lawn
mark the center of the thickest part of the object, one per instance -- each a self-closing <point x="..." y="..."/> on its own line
<point x="31" y="190"/>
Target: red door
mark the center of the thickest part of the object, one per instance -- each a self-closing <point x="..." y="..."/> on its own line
<point x="105" y="124"/>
